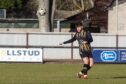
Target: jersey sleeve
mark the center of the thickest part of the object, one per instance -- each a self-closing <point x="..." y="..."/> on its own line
<point x="89" y="37"/>
<point x="70" y="40"/>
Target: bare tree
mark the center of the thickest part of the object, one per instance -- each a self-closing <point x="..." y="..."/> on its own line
<point x="43" y="15"/>
<point x="67" y="8"/>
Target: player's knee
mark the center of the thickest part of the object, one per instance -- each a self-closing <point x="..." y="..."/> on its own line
<point x="91" y="65"/>
<point x="85" y="60"/>
<point x="91" y="62"/>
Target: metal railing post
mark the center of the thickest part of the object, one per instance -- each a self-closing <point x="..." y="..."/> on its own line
<point x="27" y="40"/>
<point x="72" y="47"/>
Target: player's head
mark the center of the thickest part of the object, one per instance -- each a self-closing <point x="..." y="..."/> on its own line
<point x="79" y="27"/>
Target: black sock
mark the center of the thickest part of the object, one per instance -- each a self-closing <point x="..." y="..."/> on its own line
<point x="85" y="69"/>
<point x="89" y="67"/>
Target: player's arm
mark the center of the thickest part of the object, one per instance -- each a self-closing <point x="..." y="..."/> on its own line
<point x="70" y="40"/>
<point x="89" y="37"/>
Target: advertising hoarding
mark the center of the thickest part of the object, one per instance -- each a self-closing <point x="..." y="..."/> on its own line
<point x="109" y="55"/>
<point x="21" y="55"/>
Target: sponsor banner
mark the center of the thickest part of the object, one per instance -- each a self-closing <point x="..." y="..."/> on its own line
<point x="105" y="55"/>
<point x="21" y="54"/>
<point x="122" y="54"/>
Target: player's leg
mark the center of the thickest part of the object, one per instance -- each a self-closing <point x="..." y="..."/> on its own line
<point x="85" y="59"/>
<point x="85" y="66"/>
<point x="91" y="63"/>
<point x="83" y="72"/>
<point x="88" y="64"/>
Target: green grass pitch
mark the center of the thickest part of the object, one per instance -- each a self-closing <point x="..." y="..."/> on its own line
<point x="30" y="73"/>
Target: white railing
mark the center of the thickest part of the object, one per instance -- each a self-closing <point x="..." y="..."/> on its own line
<point x="49" y="42"/>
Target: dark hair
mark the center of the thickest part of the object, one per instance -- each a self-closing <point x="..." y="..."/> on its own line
<point x="79" y="24"/>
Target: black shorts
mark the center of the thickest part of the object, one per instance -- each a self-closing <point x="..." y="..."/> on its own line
<point x="85" y="54"/>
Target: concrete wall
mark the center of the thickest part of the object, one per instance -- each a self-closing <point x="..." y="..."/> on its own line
<point x="117" y="20"/>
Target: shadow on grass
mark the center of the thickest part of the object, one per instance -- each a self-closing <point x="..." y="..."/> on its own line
<point x="120" y="77"/>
